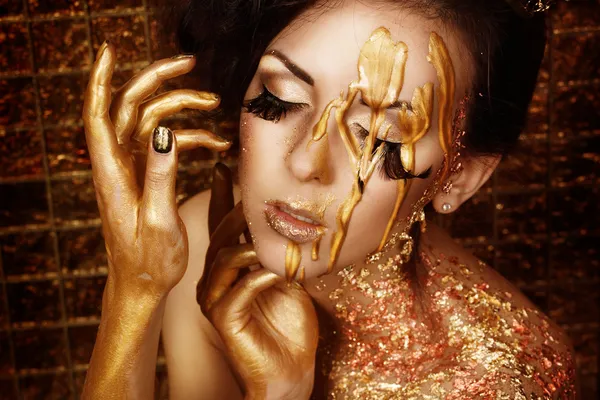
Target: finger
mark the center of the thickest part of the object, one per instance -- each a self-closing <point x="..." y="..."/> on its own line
<point x="125" y="105"/>
<point x="240" y="298"/>
<point x="221" y="196"/>
<point x="189" y="139"/>
<point x="225" y="271"/>
<point x="227" y="233"/>
<point x="153" y="111"/>
<point x="159" y="202"/>
<point x="110" y="165"/>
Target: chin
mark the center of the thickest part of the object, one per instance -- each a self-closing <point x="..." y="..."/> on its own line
<point x="271" y="252"/>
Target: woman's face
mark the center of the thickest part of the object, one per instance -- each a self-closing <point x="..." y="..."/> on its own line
<point x="292" y="190"/>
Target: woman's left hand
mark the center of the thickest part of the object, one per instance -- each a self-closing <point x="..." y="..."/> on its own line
<point x="269" y="327"/>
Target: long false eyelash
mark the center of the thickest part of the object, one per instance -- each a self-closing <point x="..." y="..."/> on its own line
<point x="392" y="167"/>
<point x="270" y="107"/>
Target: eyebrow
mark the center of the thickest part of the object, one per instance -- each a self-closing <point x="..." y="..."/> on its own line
<point x="294" y="69"/>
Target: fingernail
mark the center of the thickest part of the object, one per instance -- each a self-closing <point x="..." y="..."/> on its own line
<point x="182" y="56"/>
<point x="162" y="140"/>
<point x="102" y="49"/>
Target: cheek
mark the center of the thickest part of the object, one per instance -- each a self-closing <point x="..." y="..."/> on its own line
<point x="370" y="219"/>
<point x="262" y="150"/>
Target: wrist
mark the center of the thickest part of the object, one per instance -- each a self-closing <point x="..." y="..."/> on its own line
<point x="281" y="391"/>
<point x="131" y="298"/>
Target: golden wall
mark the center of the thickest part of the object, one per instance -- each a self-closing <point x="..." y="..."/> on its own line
<point x="535" y="222"/>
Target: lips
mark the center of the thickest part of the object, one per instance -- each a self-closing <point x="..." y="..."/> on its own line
<point x="298" y="225"/>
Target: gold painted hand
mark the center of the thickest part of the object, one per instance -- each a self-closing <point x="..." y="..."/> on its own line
<point x="145" y="239"/>
<point x="269" y="328"/>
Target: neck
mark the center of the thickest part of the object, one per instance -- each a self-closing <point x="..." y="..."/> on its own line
<point x="375" y="288"/>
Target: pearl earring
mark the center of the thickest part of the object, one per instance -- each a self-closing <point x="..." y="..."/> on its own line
<point x="446" y="207"/>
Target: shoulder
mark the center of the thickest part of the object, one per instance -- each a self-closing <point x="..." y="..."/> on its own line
<point x="193" y="349"/>
<point x="517" y="349"/>
<point x="194" y="214"/>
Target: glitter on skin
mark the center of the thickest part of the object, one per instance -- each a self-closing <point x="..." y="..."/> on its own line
<point x="448" y="335"/>
<point x="459" y="339"/>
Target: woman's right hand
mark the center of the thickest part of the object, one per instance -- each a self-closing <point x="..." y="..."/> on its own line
<point x="134" y="171"/>
<point x="269" y="327"/>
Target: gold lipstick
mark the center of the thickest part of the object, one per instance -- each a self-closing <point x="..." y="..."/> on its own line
<point x="294" y="222"/>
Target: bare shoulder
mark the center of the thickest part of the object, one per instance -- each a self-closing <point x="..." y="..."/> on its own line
<point x="494" y="324"/>
<point x="194" y="353"/>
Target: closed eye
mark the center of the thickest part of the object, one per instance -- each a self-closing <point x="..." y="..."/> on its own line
<point x="270" y="107"/>
<point x="391" y="166"/>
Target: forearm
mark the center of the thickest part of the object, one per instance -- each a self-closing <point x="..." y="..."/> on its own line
<point x="124" y="358"/>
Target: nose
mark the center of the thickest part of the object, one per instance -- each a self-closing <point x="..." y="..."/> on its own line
<point x="311" y="160"/>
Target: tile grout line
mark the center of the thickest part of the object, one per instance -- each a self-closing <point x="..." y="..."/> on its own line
<point x="547" y="191"/>
<point x="149" y="56"/>
<point x="9" y="330"/>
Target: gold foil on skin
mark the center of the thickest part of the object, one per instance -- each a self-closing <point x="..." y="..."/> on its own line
<point x="476" y="344"/>
<point x="483" y="345"/>
<point x="293" y="256"/>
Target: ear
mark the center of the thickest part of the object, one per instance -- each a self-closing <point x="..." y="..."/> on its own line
<point x="475" y="173"/>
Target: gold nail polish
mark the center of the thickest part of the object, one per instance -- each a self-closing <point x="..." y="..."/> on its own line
<point x="162" y="140"/>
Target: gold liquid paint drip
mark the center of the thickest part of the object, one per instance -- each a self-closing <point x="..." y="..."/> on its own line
<point x="413" y="127"/>
<point x="381" y="68"/>
<point x="342" y="222"/>
<point x="439" y="57"/>
<point x="301" y="275"/>
<point x="293" y="256"/>
<point x="315" y="249"/>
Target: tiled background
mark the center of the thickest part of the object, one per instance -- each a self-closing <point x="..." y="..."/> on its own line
<point x="536" y="222"/>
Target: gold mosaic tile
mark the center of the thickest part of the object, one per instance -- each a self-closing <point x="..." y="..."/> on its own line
<point x="46" y="387"/>
<point x="524" y="262"/>
<point x="14" y="49"/>
<point x="61" y="45"/>
<point x="17" y="104"/>
<point x="23" y="203"/>
<point x="83" y="297"/>
<point x="22" y="152"/>
<point x="34" y="303"/>
<point x="576" y="57"/>
<point x="35" y="349"/>
<point x="74" y="200"/>
<point x="521" y="214"/>
<point x="542" y="238"/>
<point x="28" y="253"/>
<point x="61" y="98"/>
<point x="125" y="33"/>
<point x="66" y="149"/>
<point x="82" y="252"/>
<point x="57" y="8"/>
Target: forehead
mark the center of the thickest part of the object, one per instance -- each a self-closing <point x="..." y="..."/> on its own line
<point x="326" y="43"/>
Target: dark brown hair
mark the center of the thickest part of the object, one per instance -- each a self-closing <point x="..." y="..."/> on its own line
<point x="230" y="37"/>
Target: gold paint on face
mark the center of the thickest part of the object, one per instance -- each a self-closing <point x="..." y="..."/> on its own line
<point x="301" y="274"/>
<point x="293" y="256"/>
<point x="439" y="57"/>
<point x="315" y="249"/>
<point x="381" y="68"/>
<point x="317" y="208"/>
